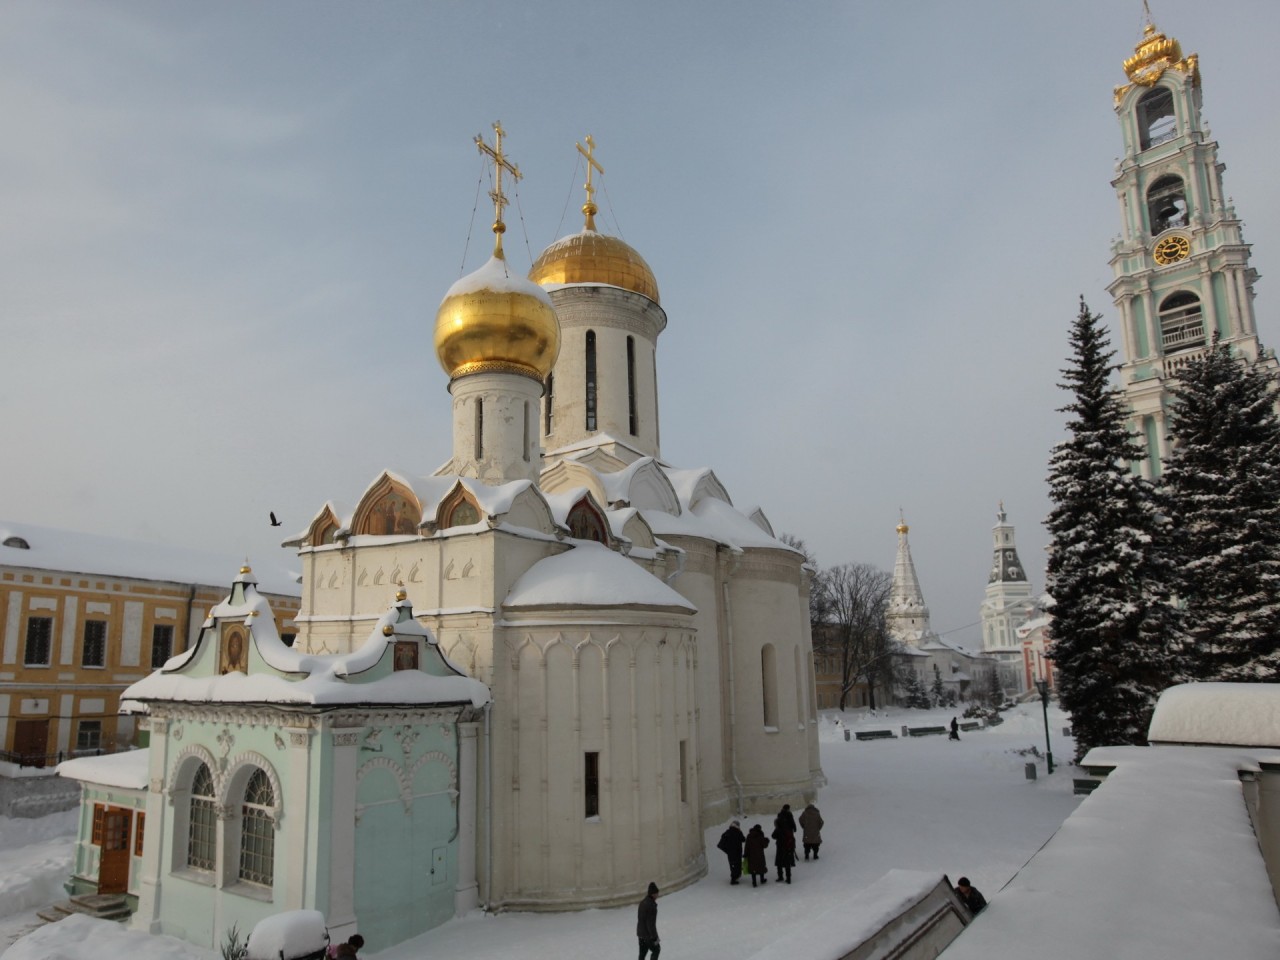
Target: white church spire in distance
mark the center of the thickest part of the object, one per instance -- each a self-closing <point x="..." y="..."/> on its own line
<point x="907" y="616"/>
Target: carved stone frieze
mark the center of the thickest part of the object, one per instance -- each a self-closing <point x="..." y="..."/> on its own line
<point x="346" y="739"/>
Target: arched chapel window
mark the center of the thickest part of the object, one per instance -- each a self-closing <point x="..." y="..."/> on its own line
<point x="550" y="392"/>
<point x="257" y="831"/>
<point x="1166" y="204"/>
<point x="202" y="824"/>
<point x="1156" y="120"/>
<point x="1181" y="322"/>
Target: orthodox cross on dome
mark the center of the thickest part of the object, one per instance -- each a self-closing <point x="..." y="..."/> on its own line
<point x="589" y="208"/>
<point x="500" y="163"/>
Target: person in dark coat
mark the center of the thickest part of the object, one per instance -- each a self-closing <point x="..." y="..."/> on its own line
<point x="784" y="851"/>
<point x="970" y="896"/>
<point x="955" y="729"/>
<point x="757" y="862"/>
<point x="730" y="844"/>
<point x="647" y="924"/>
<point x="811" y="824"/>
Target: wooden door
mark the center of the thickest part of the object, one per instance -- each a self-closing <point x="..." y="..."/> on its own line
<point x="113" y="868"/>
<point x="31" y="742"/>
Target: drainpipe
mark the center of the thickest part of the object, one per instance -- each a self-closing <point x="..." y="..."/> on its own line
<point x="488" y="806"/>
<point x="733" y="739"/>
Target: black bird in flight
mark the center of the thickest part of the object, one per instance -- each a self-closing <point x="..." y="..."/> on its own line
<point x="274" y="521"/>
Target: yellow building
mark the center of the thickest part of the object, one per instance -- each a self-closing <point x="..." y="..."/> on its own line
<point x="84" y="616"/>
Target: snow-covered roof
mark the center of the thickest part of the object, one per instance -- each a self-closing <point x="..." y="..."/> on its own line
<point x="1243" y="714"/>
<point x="1159" y="861"/>
<point x="281" y="674"/>
<point x="76" y="552"/>
<point x="592" y="575"/>
<point x="127" y="769"/>
<point x="714" y="520"/>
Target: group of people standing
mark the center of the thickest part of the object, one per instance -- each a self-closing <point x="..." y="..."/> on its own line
<point x="751" y="846"/>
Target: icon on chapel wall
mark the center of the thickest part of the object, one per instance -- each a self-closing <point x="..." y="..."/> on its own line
<point x="232" y="652"/>
<point x="405" y="655"/>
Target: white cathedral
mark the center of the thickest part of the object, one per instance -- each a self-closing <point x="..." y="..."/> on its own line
<point x="646" y="643"/>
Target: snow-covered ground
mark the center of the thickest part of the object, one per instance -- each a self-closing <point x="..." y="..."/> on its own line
<point x="923" y="804"/>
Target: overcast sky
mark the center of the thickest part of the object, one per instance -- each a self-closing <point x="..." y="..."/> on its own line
<point x="225" y="229"/>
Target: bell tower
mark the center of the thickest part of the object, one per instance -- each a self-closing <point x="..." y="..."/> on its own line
<point x="1182" y="273"/>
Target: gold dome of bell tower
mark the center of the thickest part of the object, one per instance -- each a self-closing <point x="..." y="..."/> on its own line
<point x="592" y="257"/>
<point x="492" y="321"/>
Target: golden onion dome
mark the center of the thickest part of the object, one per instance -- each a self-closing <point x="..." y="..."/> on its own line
<point x="494" y="321"/>
<point x="591" y="257"/>
<point x="902" y="527"/>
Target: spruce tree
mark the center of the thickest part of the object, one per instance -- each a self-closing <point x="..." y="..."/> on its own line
<point x="1107" y="580"/>
<point x="1222" y="491"/>
<point x="937" y="692"/>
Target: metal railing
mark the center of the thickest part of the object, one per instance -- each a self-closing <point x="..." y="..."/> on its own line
<point x="53" y="759"/>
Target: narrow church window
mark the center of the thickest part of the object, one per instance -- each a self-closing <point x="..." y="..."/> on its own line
<point x="1156" y="119"/>
<point x="591" y="784"/>
<point x="591" y="379"/>
<point x="39" y="632"/>
<point x="93" y="652"/>
<point x="769" y="683"/>
<point x="1166" y="204"/>
<point x="684" y="771"/>
<point x="631" y="384"/>
<point x="551" y="395"/>
<point x="799" y="688"/>
<point x="202" y="824"/>
<point x="526" y="431"/>
<point x="257" y="833"/>
<point x="1181" y="324"/>
<point x="479" y="429"/>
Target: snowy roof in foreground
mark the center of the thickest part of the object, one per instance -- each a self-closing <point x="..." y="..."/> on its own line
<point x="128" y="769"/>
<point x="1160" y="861"/>
<point x="592" y="575"/>
<point x="1247" y="714"/>
<point x="75" y="552"/>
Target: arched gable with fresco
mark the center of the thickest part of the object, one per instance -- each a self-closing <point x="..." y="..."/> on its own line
<point x="388" y="509"/>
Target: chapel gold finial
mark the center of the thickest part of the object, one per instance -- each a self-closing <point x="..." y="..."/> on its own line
<point x="589" y="208"/>
<point x="500" y="163"/>
<point x="902" y="522"/>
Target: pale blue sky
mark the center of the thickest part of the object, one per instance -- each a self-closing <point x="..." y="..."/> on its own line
<point x="226" y="229"/>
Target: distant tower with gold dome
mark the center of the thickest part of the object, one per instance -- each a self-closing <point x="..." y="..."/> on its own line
<point x="604" y="387"/>
<point x="1182" y="272"/>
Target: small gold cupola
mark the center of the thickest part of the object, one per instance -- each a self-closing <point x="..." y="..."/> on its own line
<point x="491" y="320"/>
<point x="592" y="257"/>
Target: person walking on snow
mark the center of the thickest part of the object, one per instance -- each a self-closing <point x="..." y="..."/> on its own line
<point x="811" y="824"/>
<point x="955" y="729"/>
<point x="784" y="832"/>
<point x="647" y="924"/>
<point x="730" y="844"/>
<point x="757" y="862"/>
<point x="970" y="896"/>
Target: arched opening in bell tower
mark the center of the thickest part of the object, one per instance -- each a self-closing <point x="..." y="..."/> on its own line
<point x="1166" y="204"/>
<point x="1181" y="322"/>
<point x="1157" y="121"/>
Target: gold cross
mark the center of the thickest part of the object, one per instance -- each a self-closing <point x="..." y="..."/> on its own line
<point x="500" y="163"/>
<point x="589" y="208"/>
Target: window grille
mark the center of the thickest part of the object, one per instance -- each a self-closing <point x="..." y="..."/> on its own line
<point x="202" y="849"/>
<point x="94" y="651"/>
<point x="88" y="735"/>
<point x="39" y="633"/>
<point x="257" y="832"/>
